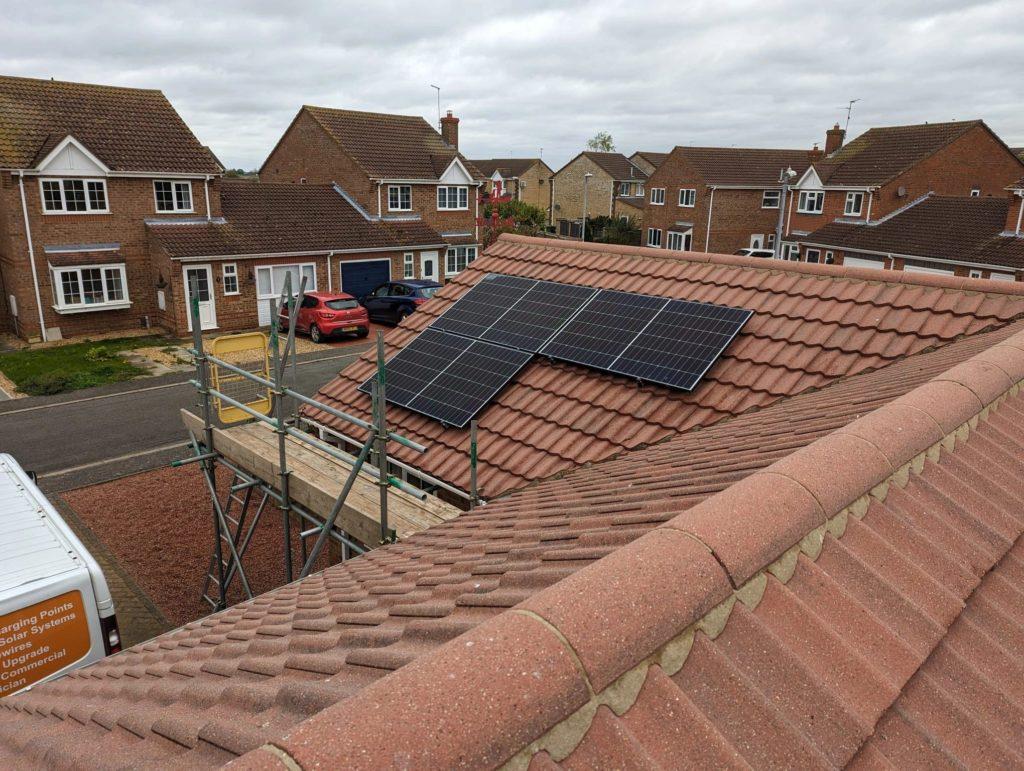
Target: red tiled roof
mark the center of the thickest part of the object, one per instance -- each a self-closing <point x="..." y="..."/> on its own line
<point x="129" y="129"/>
<point x="601" y="555"/>
<point x="811" y="325"/>
<point x="270" y="218"/>
<point x="962" y="229"/>
<point x="390" y="146"/>
<point x="743" y="166"/>
<point x="881" y="154"/>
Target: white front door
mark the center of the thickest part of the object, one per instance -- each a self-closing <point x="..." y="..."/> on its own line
<point x="756" y="240"/>
<point x="428" y="266"/>
<point x="199" y="279"/>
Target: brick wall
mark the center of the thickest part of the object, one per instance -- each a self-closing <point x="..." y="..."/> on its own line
<point x="536" y="189"/>
<point x="899" y="263"/>
<point x="131" y="201"/>
<point x="567" y="202"/>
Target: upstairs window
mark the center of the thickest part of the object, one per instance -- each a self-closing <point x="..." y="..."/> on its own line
<point x="452" y="197"/>
<point x="89" y="287"/>
<point x="400" y="198"/>
<point x="811" y="202"/>
<point x="172" y="196"/>
<point x="624" y="188"/>
<point x="854" y="204"/>
<point x="457" y="258"/>
<point x="770" y="199"/>
<point x="688" y="197"/>
<point x="658" y="196"/>
<point x="74" y="196"/>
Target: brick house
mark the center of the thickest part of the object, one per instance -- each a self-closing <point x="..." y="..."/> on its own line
<point x="82" y="169"/>
<point x="647" y="161"/>
<point x="885" y="169"/>
<point x="614" y="189"/>
<point x="717" y="199"/>
<point x="525" y="179"/>
<point x="388" y="164"/>
<point x="970" y="237"/>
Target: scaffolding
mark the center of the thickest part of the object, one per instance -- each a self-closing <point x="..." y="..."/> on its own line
<point x="236" y="517"/>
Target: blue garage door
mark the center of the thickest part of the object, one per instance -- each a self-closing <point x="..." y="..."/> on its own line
<point x="360" y="278"/>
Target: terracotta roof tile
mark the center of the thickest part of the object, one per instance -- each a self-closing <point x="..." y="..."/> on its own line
<point x="270" y="218"/>
<point x="812" y="325"/>
<point x="128" y="129"/>
<point x="317" y="654"/>
<point x="743" y="166"/>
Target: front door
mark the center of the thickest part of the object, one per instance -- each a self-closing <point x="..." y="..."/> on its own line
<point x="428" y="266"/>
<point x="756" y="240"/>
<point x="199" y="279"/>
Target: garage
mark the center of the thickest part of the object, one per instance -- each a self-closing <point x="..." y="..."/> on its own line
<point x="861" y="262"/>
<point x="360" y="277"/>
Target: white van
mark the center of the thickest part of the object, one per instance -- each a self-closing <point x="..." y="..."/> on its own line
<point x="56" y="613"/>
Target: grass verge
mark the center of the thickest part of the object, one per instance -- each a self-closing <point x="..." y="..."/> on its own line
<point x="54" y="370"/>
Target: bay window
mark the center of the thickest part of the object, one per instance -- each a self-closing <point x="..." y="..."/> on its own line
<point x="172" y="196"/>
<point x="452" y="197"/>
<point x="74" y="196"/>
<point x="89" y="287"/>
<point x="457" y="258"/>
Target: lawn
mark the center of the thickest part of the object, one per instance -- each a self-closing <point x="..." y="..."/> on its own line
<point x="39" y="371"/>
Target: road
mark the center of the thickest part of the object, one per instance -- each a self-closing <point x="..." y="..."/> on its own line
<point x="98" y="434"/>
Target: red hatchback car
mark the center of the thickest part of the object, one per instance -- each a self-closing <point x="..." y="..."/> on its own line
<point x="324" y="314"/>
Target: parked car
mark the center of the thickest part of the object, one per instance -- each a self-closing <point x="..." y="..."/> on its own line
<point x="395" y="300"/>
<point x="324" y="314"/>
<point x="751" y="252"/>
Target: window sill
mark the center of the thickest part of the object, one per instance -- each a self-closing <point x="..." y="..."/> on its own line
<point x="75" y="213"/>
<point x="91" y="308"/>
<point x="687" y="206"/>
<point x="462" y="208"/>
<point x="175" y="211"/>
<point x="798" y="211"/>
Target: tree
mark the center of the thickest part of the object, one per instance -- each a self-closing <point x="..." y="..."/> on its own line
<point x="601" y="142"/>
<point x="621" y="231"/>
<point x="514" y="217"/>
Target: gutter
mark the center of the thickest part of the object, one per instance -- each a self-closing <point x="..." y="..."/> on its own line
<point x="31" y="254"/>
<point x="206" y="195"/>
<point x="306" y="253"/>
<point x="711" y="206"/>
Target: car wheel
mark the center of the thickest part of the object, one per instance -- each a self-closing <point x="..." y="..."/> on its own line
<point x="403" y="313"/>
<point x="314" y="334"/>
<point x="362" y="331"/>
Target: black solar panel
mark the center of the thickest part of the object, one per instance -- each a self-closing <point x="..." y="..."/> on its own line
<point x="538" y="314"/>
<point x="601" y="331"/>
<point x="680" y="343"/>
<point x="448" y="377"/>
<point x="477" y="310"/>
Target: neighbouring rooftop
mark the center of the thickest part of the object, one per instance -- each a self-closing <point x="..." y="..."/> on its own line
<point x="738" y="166"/>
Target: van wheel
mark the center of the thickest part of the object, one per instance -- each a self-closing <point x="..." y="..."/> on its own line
<point x="314" y="334"/>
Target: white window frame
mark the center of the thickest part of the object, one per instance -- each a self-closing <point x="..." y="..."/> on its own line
<point x="851" y="197"/>
<point x="233" y="273"/>
<point x="974" y="273"/>
<point x="816" y="253"/>
<point x="806" y="196"/>
<point x="460" y="192"/>
<point x="691" y="197"/>
<point x="400" y="188"/>
<point x="452" y="252"/>
<point x="275" y="291"/>
<point x="654" y="237"/>
<point x="789" y="251"/>
<point x="624" y="188"/>
<point x="175" y="184"/>
<point x="86" y="181"/>
<point x="61" y="306"/>
<point x="830" y="258"/>
<point x="408" y="265"/>
<point x="657" y="196"/>
<point x="766" y="194"/>
<point x="640" y="189"/>
<point x="975" y="192"/>
<point x="683" y="237"/>
<point x="995" y="275"/>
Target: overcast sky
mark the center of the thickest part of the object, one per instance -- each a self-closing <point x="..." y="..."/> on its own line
<point x="524" y="76"/>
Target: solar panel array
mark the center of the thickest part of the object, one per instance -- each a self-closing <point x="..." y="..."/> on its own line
<point x="459" y="363"/>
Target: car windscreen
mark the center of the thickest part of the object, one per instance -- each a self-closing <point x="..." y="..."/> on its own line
<point x="341" y="305"/>
<point x="427" y="291"/>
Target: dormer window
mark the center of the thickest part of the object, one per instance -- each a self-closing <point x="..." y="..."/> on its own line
<point x="452" y="197"/>
<point x="74" y="196"/>
<point x="172" y="197"/>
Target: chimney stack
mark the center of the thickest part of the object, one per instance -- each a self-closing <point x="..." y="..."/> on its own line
<point x="834" y="139"/>
<point x="815" y="154"/>
<point x="450" y="130"/>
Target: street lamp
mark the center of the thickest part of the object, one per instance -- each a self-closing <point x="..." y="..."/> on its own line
<point x="586" y="180"/>
<point x="785" y="179"/>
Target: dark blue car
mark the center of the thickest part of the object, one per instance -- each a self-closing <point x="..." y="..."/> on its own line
<point x="395" y="300"/>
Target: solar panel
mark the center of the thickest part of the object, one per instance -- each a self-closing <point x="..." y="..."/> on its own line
<point x="538" y="314"/>
<point x="599" y="333"/>
<point x="448" y="377"/>
<point x="477" y="310"/>
<point x="680" y="343"/>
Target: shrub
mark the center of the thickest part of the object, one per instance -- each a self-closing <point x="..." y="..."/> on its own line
<point x="98" y="353"/>
<point x="46" y="384"/>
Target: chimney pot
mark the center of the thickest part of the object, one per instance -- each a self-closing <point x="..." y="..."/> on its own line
<point x="834" y="139"/>
<point x="450" y="130"/>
